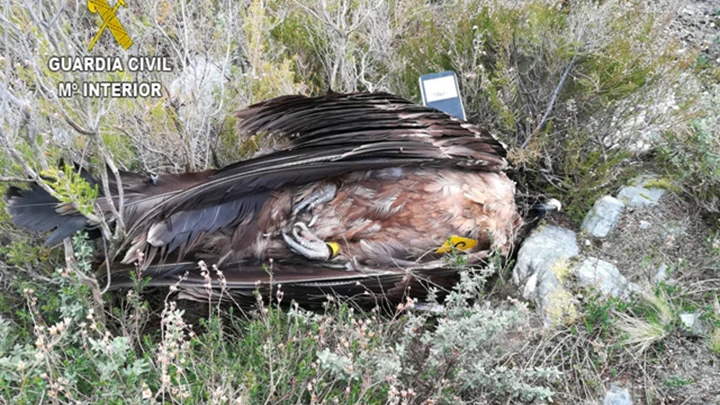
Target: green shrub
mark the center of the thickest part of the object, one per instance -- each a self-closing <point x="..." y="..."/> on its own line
<point x="692" y="157"/>
<point x="72" y="188"/>
<point x="511" y="59"/>
<point x="340" y="355"/>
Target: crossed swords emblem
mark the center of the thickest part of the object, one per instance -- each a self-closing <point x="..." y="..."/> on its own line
<point x="110" y="21"/>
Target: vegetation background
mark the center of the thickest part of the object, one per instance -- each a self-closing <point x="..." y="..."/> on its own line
<point x="586" y="94"/>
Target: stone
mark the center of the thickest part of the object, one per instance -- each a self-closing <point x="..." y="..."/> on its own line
<point x="693" y="324"/>
<point x="542" y="265"/>
<point x="545" y="247"/>
<point x="642" y="194"/>
<point x="644" y="224"/>
<point x="633" y="287"/>
<point x="661" y="274"/>
<point x="617" y="396"/>
<point x="604" y="277"/>
<point x="603" y="217"/>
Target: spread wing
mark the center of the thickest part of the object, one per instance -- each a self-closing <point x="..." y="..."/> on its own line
<point x="307" y="283"/>
<point x="328" y="136"/>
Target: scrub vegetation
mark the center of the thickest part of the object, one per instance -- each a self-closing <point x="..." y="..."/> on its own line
<point x="585" y="94"/>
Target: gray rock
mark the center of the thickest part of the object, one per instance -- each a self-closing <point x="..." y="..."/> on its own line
<point x="633" y="287"/>
<point x="541" y="266"/>
<point x="693" y="324"/>
<point x="644" y="224"/>
<point x="604" y="277"/>
<point x="541" y="250"/>
<point x="603" y="217"/>
<point x="661" y="274"/>
<point x="640" y="194"/>
<point x="617" y="396"/>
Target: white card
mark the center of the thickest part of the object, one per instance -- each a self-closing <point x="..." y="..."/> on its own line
<point x="440" y="89"/>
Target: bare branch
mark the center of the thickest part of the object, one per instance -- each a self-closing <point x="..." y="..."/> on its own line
<point x="553" y="99"/>
<point x="10" y="179"/>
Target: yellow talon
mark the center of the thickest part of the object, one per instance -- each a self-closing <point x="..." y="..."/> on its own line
<point x="334" y="248"/>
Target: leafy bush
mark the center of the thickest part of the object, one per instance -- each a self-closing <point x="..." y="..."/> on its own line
<point x="451" y="355"/>
<point x="576" y="91"/>
<point x="692" y="157"/>
<point x="72" y="188"/>
<point x="579" y="91"/>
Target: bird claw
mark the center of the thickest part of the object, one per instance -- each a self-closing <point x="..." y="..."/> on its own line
<point x="325" y="194"/>
<point x="306" y="244"/>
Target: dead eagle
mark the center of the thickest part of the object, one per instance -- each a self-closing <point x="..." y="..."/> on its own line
<point x="363" y="199"/>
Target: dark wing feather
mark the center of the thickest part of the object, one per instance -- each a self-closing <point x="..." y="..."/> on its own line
<point x="36" y="210"/>
<point x="184" y="227"/>
<point x="306" y="283"/>
<point x="330" y="136"/>
<point x="308" y="119"/>
<point x="170" y="219"/>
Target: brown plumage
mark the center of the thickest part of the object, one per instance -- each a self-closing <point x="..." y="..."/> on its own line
<point x="384" y="180"/>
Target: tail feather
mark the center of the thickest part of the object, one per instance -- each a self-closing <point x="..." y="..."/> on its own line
<point x="36" y="210"/>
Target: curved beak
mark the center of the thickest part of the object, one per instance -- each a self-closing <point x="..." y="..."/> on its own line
<point x="550" y="205"/>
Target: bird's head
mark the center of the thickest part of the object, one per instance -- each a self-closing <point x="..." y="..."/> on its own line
<point x="540" y="209"/>
<point x="548" y="206"/>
